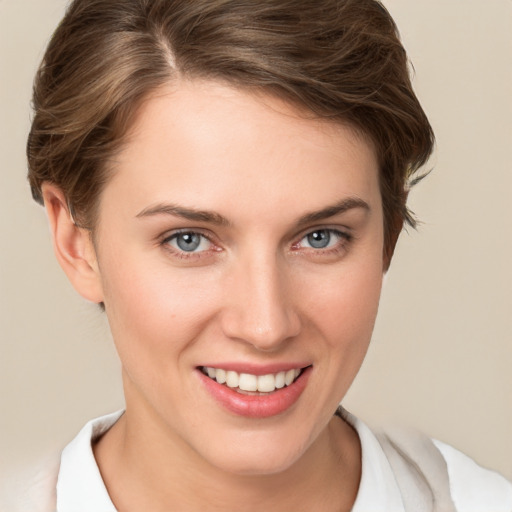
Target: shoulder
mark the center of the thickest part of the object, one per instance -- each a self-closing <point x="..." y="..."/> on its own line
<point x="474" y="488"/>
<point x="32" y="488"/>
<point x="449" y="476"/>
<point x="405" y="470"/>
<point x="68" y="482"/>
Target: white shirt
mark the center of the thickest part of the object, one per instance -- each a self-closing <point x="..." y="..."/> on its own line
<point x="80" y="487"/>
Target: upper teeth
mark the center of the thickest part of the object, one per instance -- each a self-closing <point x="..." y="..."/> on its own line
<point x="248" y="382"/>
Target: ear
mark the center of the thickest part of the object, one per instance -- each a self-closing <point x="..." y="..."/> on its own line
<point x="73" y="246"/>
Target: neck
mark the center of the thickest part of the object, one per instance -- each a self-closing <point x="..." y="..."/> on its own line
<point x="164" y="474"/>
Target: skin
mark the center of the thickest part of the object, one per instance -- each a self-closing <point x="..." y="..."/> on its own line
<point x="255" y="292"/>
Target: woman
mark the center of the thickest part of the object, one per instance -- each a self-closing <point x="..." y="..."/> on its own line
<point x="228" y="181"/>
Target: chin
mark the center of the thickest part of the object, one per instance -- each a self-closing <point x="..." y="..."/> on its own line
<point x="256" y="464"/>
<point x="256" y="453"/>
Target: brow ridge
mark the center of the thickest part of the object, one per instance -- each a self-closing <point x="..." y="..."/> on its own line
<point x="217" y="219"/>
<point x="186" y="213"/>
<point x="342" y="206"/>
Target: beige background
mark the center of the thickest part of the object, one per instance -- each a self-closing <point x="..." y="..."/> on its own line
<point x="442" y="351"/>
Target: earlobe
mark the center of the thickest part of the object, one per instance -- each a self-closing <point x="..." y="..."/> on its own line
<point x="72" y="245"/>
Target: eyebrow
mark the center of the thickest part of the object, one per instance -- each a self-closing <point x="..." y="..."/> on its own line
<point x="185" y="213"/>
<point x="344" y="205"/>
<point x="194" y="214"/>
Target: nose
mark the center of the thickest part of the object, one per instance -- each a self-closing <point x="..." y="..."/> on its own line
<point x="260" y="304"/>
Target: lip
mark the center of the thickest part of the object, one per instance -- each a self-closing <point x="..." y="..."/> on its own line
<point x="256" y="406"/>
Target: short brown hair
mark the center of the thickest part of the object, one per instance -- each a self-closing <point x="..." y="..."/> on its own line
<point x="340" y="59"/>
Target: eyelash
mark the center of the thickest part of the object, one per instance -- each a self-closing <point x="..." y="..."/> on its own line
<point x="344" y="239"/>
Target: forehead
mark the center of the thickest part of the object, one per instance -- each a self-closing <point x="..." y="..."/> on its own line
<point x="213" y="145"/>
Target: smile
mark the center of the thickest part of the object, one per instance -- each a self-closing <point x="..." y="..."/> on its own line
<point x="261" y="394"/>
<point x="247" y="383"/>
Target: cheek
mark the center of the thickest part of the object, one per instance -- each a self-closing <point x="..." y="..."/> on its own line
<point x="344" y="308"/>
<point x="154" y="311"/>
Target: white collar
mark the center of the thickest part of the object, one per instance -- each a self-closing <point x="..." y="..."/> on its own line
<point x="378" y="489"/>
<point x="80" y="487"/>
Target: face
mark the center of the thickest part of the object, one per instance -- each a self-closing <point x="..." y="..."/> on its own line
<point x="240" y="249"/>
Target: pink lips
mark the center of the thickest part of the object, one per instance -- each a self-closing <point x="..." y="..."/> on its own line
<point x="256" y="406"/>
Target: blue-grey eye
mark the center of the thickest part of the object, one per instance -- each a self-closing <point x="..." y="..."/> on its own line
<point x="319" y="239"/>
<point x="188" y="241"/>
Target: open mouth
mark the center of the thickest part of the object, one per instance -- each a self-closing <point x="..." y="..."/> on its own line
<point x="249" y="384"/>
